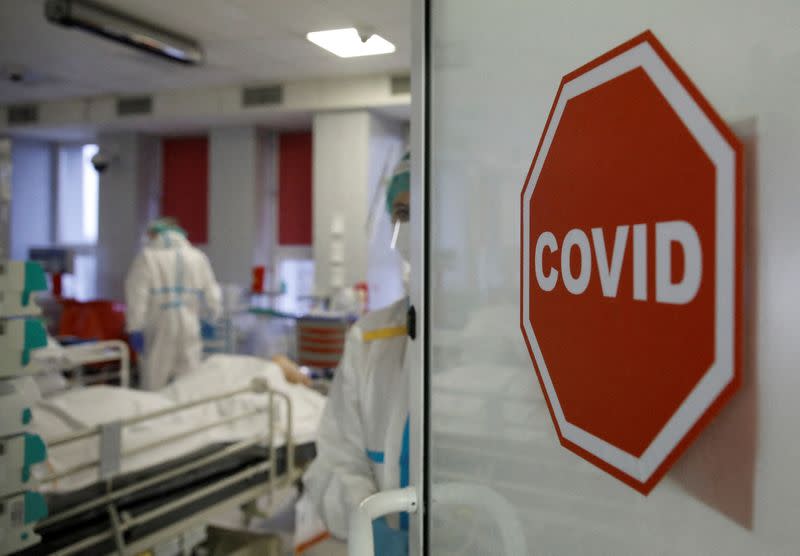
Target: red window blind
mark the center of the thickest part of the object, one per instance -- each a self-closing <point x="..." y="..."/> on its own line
<point x="294" y="189"/>
<point x="184" y="194"/>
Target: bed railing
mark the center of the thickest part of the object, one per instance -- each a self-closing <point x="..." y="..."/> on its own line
<point x="73" y="357"/>
<point x="111" y="452"/>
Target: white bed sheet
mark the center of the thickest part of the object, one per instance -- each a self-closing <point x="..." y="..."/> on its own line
<point x="87" y="407"/>
<point x="50" y="358"/>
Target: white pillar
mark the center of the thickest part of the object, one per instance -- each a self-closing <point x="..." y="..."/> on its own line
<point x="340" y="154"/>
<point x="352" y="152"/>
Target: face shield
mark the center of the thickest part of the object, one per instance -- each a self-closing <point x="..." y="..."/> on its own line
<point x="378" y="220"/>
<point x="398" y="196"/>
<point x="397" y="206"/>
<point x="401" y="240"/>
<point x="389" y="212"/>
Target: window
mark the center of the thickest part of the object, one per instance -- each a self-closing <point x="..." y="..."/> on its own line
<point x="77" y="195"/>
<point x="77" y="217"/>
<point x="294" y="275"/>
<point x="295" y="196"/>
<point x="89" y="184"/>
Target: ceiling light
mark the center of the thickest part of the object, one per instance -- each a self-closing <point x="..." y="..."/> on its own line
<point x="349" y="43"/>
<point x="91" y="17"/>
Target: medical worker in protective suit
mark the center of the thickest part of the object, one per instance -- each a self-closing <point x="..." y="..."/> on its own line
<point x="362" y="443"/>
<point x="170" y="287"/>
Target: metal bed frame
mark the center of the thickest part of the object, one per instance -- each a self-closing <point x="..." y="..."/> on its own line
<point x="245" y="499"/>
<point x="73" y="357"/>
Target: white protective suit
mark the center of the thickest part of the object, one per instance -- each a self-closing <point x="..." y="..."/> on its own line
<point x="169" y="287"/>
<point x="362" y="444"/>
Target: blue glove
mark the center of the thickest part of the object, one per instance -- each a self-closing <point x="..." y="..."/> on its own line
<point x="388" y="541"/>
<point x="207" y="330"/>
<point x="136" y="340"/>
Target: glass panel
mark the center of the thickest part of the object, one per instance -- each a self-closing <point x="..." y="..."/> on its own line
<point x="496" y="67"/>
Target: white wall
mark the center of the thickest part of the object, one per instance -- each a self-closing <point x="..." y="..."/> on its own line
<point x="235" y="202"/>
<point x="32" y="186"/>
<point x="352" y="152"/>
<point x="174" y="109"/>
<point x="149" y="189"/>
<point x="128" y="199"/>
<point x="266" y="195"/>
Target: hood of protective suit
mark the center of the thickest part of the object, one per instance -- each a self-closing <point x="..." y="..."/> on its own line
<point x="168" y="239"/>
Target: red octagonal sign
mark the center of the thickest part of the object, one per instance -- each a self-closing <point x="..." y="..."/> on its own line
<point x="630" y="264"/>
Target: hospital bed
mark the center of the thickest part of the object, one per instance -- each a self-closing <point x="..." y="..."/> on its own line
<point x="131" y="471"/>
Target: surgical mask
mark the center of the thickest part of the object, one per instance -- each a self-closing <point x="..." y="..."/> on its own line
<point x="401" y="243"/>
<point x="405" y="268"/>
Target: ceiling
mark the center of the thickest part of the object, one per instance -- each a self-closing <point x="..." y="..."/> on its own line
<point x="245" y="41"/>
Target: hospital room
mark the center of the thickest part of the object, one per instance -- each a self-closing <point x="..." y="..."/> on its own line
<point x="198" y="198"/>
<point x="399" y="277"/>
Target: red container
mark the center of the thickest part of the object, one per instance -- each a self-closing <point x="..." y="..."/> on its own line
<point x="363" y="293"/>
<point x="56" y="277"/>
<point x="258" y="280"/>
<point x="92" y="320"/>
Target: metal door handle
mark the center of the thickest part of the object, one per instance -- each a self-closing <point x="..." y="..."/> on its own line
<point x="359" y="539"/>
<point x="361" y="543"/>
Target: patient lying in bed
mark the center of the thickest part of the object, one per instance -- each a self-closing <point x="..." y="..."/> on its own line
<point x="291" y="371"/>
<point x="78" y="409"/>
<point x="54" y="358"/>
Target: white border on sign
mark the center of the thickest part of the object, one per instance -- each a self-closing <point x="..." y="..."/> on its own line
<point x="722" y="156"/>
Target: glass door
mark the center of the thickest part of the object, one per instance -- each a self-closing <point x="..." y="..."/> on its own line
<point x="500" y="482"/>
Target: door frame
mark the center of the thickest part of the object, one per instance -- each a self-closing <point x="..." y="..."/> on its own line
<point x="419" y="366"/>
